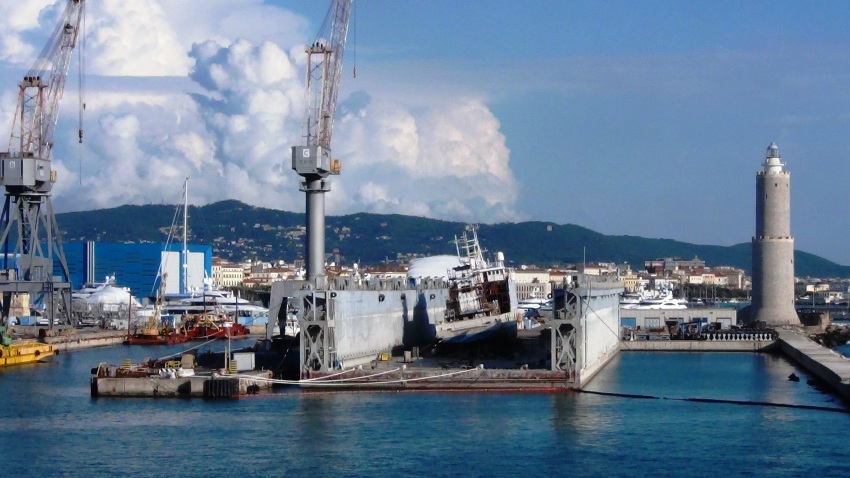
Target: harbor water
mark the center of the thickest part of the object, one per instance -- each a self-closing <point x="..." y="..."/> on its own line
<point x="52" y="427"/>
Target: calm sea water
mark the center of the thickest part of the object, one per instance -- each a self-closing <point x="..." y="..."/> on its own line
<point x="51" y="426"/>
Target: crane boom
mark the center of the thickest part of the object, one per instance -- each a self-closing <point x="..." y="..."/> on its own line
<point x="324" y="64"/>
<point x="42" y="88"/>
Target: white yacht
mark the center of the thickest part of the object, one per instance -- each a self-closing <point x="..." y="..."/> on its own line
<point x="90" y="288"/>
<point x="210" y="299"/>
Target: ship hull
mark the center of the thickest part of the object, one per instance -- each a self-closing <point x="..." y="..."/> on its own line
<point x="203" y="332"/>
<point x="25" y="353"/>
<point x="473" y="330"/>
<point x="156" y="339"/>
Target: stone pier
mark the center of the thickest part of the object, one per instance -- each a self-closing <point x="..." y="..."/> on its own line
<point x="829" y="366"/>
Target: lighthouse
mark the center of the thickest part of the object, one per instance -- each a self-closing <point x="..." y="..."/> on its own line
<point x="773" y="245"/>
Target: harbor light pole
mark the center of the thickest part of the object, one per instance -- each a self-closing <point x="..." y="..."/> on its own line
<point x="227" y="327"/>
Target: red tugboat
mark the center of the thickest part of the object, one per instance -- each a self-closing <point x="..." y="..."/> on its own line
<point x="210" y="325"/>
<point x="153" y="333"/>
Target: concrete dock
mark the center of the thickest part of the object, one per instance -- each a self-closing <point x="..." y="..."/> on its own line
<point x="207" y="385"/>
<point x="85" y="340"/>
<point x="830" y="367"/>
<point x="69" y="338"/>
<point x="751" y="345"/>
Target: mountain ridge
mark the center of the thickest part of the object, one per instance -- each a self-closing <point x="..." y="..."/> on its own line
<point x="239" y="231"/>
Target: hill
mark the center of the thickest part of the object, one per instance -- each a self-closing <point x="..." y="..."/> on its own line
<point x="238" y="231"/>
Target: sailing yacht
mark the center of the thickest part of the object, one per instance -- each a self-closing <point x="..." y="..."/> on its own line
<point x="208" y="301"/>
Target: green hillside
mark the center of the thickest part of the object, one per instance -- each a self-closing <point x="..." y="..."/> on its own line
<point x="238" y="231"/>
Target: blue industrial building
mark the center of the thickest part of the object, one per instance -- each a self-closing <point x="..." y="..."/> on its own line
<point x="137" y="265"/>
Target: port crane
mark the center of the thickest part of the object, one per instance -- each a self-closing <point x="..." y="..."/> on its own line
<point x="30" y="235"/>
<point x="312" y="160"/>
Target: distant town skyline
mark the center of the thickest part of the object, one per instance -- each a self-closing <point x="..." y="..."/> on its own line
<point x="630" y="118"/>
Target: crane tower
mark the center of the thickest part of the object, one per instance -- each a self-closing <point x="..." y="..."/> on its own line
<point x="30" y="236"/>
<point x="312" y="160"/>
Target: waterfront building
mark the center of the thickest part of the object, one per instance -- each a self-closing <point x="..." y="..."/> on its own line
<point x="597" y="268"/>
<point x="773" y="244"/>
<point x="269" y="275"/>
<point x="630" y="279"/>
<point x="137" y="266"/>
<point x="532" y="282"/>
<point x="734" y="277"/>
<point x="226" y="274"/>
<point x="643" y="319"/>
<point x="666" y="266"/>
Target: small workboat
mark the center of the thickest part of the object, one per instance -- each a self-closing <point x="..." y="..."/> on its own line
<point x="213" y="325"/>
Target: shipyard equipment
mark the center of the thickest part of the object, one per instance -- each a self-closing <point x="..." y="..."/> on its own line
<point x="30" y="236"/>
<point x="312" y="160"/>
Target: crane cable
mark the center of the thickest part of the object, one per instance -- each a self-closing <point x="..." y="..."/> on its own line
<point x="354" y="38"/>
<point x="80" y="96"/>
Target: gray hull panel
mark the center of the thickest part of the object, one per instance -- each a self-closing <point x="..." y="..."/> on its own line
<point x="367" y="323"/>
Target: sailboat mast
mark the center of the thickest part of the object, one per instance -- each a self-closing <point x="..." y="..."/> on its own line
<point x="185" y="253"/>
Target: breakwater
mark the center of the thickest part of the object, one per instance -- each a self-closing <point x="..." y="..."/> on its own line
<point x="829" y="366"/>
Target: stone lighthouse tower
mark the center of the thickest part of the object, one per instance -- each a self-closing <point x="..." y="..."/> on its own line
<point x="773" y="245"/>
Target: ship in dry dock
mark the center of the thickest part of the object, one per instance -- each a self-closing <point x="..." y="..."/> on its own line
<point x="358" y="333"/>
<point x="348" y="322"/>
<point x="482" y="298"/>
<point x="567" y="351"/>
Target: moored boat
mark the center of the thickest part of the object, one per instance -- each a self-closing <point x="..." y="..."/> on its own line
<point x="213" y="326"/>
<point x="21" y="352"/>
<point x="153" y="333"/>
<point x="156" y="331"/>
<point x="24" y="352"/>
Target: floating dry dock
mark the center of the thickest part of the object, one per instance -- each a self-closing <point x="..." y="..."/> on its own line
<point x="416" y="376"/>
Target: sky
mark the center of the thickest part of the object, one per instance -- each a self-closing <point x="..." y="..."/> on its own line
<point x="643" y="118"/>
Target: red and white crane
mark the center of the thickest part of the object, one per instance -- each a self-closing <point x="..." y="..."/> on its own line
<point x="42" y="88"/>
<point x="312" y="160"/>
<point x="30" y="236"/>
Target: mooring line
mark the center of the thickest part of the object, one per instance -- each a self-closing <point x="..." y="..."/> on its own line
<point x="718" y="400"/>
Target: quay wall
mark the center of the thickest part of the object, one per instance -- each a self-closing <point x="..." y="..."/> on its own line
<point x="696" y="345"/>
<point x="84" y="341"/>
<point x="72" y="339"/>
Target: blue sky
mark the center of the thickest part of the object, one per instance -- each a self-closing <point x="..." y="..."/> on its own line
<point x="635" y="118"/>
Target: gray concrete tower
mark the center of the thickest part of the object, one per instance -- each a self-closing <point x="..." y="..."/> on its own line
<point x="773" y="245"/>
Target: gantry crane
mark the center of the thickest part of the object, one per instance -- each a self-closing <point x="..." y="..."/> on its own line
<point x="313" y="160"/>
<point x="30" y="236"/>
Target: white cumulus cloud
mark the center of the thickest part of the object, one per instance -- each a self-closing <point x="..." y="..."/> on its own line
<point x="132" y="39"/>
<point x="216" y="94"/>
<point x="20" y="21"/>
